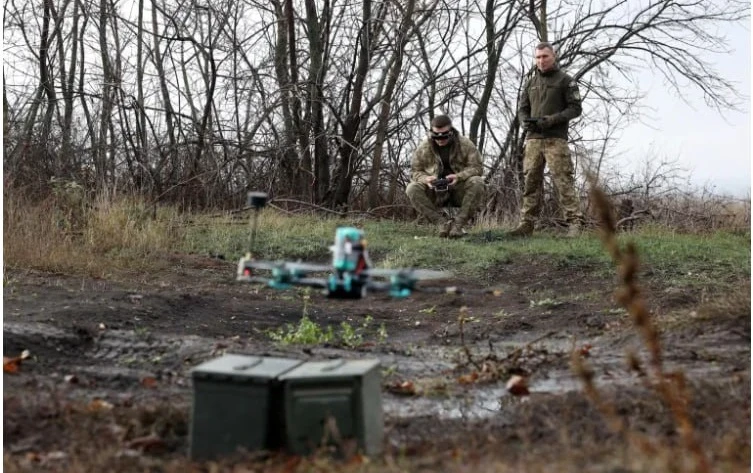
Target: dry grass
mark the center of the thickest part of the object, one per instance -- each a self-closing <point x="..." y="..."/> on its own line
<point x="66" y="233"/>
<point x="549" y="433"/>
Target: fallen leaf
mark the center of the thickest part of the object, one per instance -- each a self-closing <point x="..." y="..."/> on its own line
<point x="518" y="386"/>
<point x="98" y="405"/>
<point x="406" y="388"/>
<point x="149" y="382"/>
<point x="10" y="365"/>
<point x="25" y="354"/>
<point x="148" y="443"/>
<point x="585" y="350"/>
<point x="469" y="378"/>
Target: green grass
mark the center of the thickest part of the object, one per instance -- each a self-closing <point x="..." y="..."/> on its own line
<point x="682" y="259"/>
<point x="126" y="234"/>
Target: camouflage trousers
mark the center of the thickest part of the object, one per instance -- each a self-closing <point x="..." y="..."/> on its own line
<point x="468" y="195"/>
<point x="552" y="152"/>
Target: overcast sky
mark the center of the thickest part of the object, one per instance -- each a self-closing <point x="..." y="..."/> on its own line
<point x="714" y="149"/>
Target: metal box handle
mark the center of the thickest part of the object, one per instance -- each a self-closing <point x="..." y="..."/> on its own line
<point x="248" y="366"/>
<point x="334" y="365"/>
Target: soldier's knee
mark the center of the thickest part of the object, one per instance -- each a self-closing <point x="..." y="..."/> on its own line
<point x="475" y="182"/>
<point x="414" y="188"/>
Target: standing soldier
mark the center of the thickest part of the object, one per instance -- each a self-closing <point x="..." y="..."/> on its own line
<point x="446" y="155"/>
<point x="550" y="99"/>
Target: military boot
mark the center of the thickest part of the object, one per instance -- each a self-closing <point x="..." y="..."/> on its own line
<point x="574" y="230"/>
<point x="445" y="229"/>
<point x="458" y="228"/>
<point x="524" y="229"/>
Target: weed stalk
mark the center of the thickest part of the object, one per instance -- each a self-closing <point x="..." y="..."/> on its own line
<point x="671" y="387"/>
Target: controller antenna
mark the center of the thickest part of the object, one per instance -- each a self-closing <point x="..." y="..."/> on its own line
<point x="257" y="200"/>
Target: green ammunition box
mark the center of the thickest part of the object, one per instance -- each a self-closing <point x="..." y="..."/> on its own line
<point x="237" y="405"/>
<point x="334" y="403"/>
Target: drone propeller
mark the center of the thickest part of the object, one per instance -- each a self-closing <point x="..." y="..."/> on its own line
<point x="409" y="273"/>
<point x="299" y="266"/>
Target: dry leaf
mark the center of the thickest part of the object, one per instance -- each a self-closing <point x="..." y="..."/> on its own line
<point x="469" y="378"/>
<point x="585" y="350"/>
<point x="149" y="382"/>
<point x="406" y="388"/>
<point x="148" y="443"/>
<point x="98" y="405"/>
<point x="518" y="386"/>
<point x="10" y="365"/>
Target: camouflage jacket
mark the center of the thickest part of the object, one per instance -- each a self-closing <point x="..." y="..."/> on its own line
<point x="465" y="159"/>
<point x="551" y="93"/>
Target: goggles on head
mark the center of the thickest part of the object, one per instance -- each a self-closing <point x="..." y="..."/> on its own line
<point x="441" y="136"/>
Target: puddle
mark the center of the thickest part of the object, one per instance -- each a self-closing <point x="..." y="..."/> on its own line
<point x="477" y="403"/>
<point x="116" y="360"/>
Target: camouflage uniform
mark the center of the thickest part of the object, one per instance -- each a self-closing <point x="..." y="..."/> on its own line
<point x="552" y="94"/>
<point x="467" y="193"/>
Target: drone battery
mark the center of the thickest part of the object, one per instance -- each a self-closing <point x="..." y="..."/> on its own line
<point x="336" y="404"/>
<point x="236" y="405"/>
<point x="256" y="200"/>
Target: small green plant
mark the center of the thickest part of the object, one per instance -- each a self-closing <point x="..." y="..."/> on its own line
<point x="382" y="333"/>
<point x="349" y="335"/>
<point x="142" y="332"/>
<point x="617" y="311"/>
<point x="353" y="336"/>
<point x="429" y="310"/>
<point x="306" y="332"/>
<point x="502" y="314"/>
<point x="548" y="302"/>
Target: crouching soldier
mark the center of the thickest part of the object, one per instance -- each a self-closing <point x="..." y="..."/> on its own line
<point x="446" y="170"/>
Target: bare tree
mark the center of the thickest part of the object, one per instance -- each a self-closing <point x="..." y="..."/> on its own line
<point x="326" y="100"/>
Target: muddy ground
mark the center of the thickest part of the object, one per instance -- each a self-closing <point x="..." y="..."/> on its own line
<point x="107" y="384"/>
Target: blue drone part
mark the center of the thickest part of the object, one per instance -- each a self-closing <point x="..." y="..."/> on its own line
<point x="401" y="285"/>
<point x="283" y="278"/>
<point x="348" y="249"/>
<point x="400" y="293"/>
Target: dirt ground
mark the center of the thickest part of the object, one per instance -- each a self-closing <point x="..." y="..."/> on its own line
<point x="107" y="387"/>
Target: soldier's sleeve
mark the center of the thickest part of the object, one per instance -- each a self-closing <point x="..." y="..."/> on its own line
<point x="524" y="104"/>
<point x="573" y="106"/>
<point x="418" y="165"/>
<point x="475" y="166"/>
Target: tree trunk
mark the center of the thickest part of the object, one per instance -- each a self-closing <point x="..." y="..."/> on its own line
<point x="315" y="99"/>
<point x="352" y="123"/>
<point x="384" y="112"/>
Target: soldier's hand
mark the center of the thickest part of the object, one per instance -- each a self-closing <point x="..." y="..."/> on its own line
<point x="429" y="179"/>
<point x="532" y="125"/>
<point x="452" y="178"/>
<point x="546" y="122"/>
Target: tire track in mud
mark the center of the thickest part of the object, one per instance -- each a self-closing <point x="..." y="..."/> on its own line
<point x="107" y="363"/>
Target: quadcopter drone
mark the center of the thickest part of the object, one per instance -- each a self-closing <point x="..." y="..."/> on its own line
<point x="351" y="274"/>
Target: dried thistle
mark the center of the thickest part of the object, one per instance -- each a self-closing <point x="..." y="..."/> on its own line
<point x="672" y="389"/>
